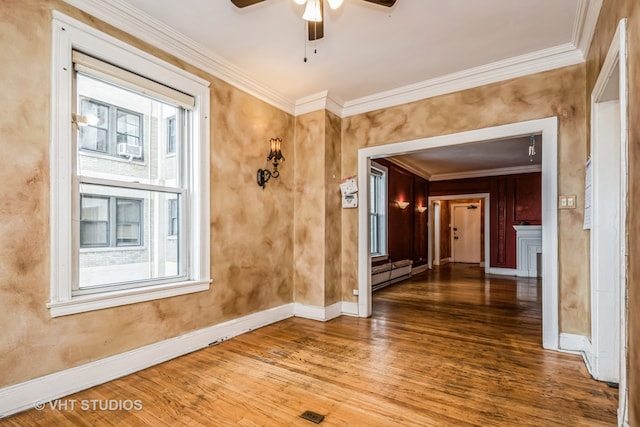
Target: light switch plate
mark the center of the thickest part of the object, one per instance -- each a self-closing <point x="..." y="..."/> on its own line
<point x="567" y="202"/>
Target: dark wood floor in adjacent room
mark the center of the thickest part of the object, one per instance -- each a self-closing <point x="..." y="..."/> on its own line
<point x="448" y="347"/>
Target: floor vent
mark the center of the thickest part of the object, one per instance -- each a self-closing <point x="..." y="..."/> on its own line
<point x="312" y="416"/>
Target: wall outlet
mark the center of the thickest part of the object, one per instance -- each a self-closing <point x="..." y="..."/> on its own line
<point x="356" y="292"/>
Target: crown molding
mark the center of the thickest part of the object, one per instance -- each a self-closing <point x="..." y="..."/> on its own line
<point x="139" y="24"/>
<point x="148" y="29"/>
<point x="486" y="172"/>
<point x="318" y="101"/>
<point x="531" y="63"/>
<point x="585" y="24"/>
<point x="410" y="167"/>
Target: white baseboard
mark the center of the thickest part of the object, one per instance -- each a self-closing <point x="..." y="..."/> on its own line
<point x="503" y="271"/>
<point x="23" y="396"/>
<point x="577" y="344"/>
<point x="315" y="312"/>
<point x="350" y="308"/>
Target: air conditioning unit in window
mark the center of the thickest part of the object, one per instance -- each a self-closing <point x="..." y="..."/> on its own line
<point x="129" y="150"/>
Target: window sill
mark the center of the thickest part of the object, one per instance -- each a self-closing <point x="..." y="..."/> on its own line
<point x="84" y="303"/>
<point x="379" y="258"/>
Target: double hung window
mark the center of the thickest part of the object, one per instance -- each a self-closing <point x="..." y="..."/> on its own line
<point x="114" y="179"/>
<point x="378" y="210"/>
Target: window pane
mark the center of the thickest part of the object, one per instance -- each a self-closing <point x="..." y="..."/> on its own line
<point x="171" y="135"/>
<point x="96" y="113"/>
<point x="92" y="138"/>
<point x="142" y="248"/>
<point x="94" y="233"/>
<point x="173" y="217"/>
<point x="94" y="208"/>
<point x="128" y="216"/>
<point x="134" y="135"/>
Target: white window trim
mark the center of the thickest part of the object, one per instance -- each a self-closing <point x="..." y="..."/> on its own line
<point x="384" y="255"/>
<point x="69" y="34"/>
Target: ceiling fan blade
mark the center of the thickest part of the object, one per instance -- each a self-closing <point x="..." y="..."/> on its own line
<point x="387" y="3"/>
<point x="245" y="3"/>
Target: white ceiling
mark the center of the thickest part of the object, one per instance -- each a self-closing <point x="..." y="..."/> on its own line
<point x="495" y="157"/>
<point x="371" y="56"/>
<point x="368" y="49"/>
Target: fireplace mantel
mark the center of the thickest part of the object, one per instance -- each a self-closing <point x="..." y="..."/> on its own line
<point x="528" y="246"/>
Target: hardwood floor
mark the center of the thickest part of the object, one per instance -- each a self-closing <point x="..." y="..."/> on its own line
<point x="449" y="347"/>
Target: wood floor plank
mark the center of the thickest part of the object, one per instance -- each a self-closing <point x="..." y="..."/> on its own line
<point x="450" y="347"/>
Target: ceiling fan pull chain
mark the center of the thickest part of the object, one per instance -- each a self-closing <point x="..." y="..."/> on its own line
<point x="305" y="40"/>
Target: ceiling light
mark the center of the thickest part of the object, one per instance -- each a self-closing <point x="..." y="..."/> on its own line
<point x="300" y="1"/>
<point x="334" y="4"/>
<point x="313" y="11"/>
<point x="532" y="147"/>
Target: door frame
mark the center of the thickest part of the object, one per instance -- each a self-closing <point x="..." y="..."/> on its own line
<point x="431" y="234"/>
<point x="608" y="349"/>
<point x="548" y="128"/>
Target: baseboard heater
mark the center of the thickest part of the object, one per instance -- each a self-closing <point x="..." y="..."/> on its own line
<point x="390" y="273"/>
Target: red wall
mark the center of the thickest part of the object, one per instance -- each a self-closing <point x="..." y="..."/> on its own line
<point x="407" y="228"/>
<point x="514" y="199"/>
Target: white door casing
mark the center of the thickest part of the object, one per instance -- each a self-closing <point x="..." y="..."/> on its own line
<point x="609" y="256"/>
<point x="548" y="128"/>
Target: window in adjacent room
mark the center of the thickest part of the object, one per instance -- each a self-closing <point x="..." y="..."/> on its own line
<point x="111" y="172"/>
<point x="378" y="210"/>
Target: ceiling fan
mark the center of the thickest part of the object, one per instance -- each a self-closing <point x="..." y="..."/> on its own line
<point x="314" y="12"/>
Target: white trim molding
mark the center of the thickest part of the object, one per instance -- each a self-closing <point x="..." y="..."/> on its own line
<point x="139" y="24"/>
<point x="502" y="271"/>
<point x="577" y="344"/>
<point x="531" y="63"/>
<point x="314" y="312"/>
<point x="486" y="172"/>
<point x="349" y="308"/>
<point x="23" y="396"/>
<point x="127" y="18"/>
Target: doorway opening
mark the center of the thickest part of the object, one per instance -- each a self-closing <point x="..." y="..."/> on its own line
<point x="608" y="174"/>
<point x="437" y="235"/>
<point x="548" y="129"/>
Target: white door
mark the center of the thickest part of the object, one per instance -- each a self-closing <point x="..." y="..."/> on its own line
<point x="465" y="232"/>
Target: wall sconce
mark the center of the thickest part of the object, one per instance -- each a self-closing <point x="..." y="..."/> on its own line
<point x="402" y="205"/>
<point x="422" y="209"/>
<point x="275" y="155"/>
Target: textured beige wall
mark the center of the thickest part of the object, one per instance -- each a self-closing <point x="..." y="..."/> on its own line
<point x="317" y="221"/>
<point x="309" y="220"/>
<point x="333" y="203"/>
<point x="252" y="229"/>
<point x="558" y="93"/>
<point x="611" y="13"/>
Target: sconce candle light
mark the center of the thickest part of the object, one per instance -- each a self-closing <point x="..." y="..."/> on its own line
<point x="402" y="205"/>
<point x="421" y="209"/>
<point x="275" y="155"/>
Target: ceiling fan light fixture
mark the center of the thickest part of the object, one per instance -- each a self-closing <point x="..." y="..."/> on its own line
<point x="334" y="4"/>
<point x="313" y="12"/>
